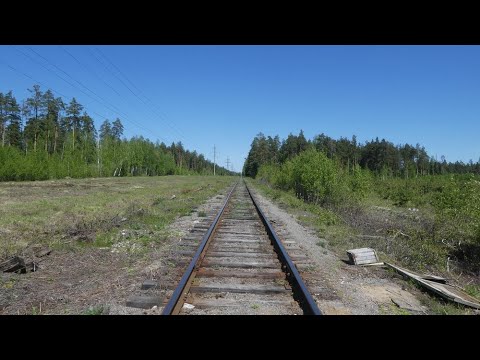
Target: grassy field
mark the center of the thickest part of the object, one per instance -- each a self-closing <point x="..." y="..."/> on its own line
<point x="88" y="212"/>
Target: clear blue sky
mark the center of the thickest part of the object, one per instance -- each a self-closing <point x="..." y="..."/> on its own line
<point x="225" y="95"/>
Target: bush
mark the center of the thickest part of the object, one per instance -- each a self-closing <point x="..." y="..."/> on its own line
<point x="315" y="178"/>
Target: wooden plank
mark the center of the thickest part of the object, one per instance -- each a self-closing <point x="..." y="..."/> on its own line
<point x="13" y="264"/>
<point x="240" y="246"/>
<point x="148" y="284"/>
<point x="359" y="251"/>
<point x="212" y="254"/>
<point x="232" y="240"/>
<point x="365" y="257"/>
<point x="254" y="232"/>
<point x="241" y="221"/>
<point x="43" y="252"/>
<point x="221" y="302"/>
<point x="240" y="236"/>
<point x="31" y="266"/>
<point x="365" y="261"/>
<point x="242" y="265"/>
<point x="362" y="256"/>
<point x="231" y="249"/>
<point x="240" y="274"/>
<point x="446" y="291"/>
<point x="246" y="289"/>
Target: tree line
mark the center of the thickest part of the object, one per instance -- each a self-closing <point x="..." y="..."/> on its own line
<point x="381" y="157"/>
<point x="44" y="138"/>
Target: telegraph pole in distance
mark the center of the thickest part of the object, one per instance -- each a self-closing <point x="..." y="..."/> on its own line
<point x="228" y="163"/>
<point x="214" y="155"/>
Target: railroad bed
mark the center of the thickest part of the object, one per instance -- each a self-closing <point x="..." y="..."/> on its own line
<point x="240" y="267"/>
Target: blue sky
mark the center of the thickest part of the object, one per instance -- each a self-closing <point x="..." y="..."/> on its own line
<point x="225" y="95"/>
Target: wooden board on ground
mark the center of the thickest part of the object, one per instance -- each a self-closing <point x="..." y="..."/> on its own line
<point x="362" y="256"/>
<point x="13" y="264"/>
<point x="446" y="291"/>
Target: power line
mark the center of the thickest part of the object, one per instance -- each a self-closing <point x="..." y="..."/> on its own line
<point x="38" y="82"/>
<point x="88" y="69"/>
<point x="97" y="76"/>
<point x="131" y="83"/>
<point x="135" y="94"/>
<point x="101" y="98"/>
<point x="110" y="107"/>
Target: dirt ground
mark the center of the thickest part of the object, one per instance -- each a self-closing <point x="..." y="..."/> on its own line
<point x="338" y="287"/>
<point x="78" y="278"/>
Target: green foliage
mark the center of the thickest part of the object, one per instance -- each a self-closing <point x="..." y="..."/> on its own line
<point x="96" y="310"/>
<point x="360" y="182"/>
<point x="315" y="178"/>
<point x="473" y="290"/>
<point x="60" y="141"/>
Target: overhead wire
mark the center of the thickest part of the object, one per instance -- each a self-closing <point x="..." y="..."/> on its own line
<point x="110" y="106"/>
<point x="40" y="83"/>
<point x="102" y="80"/>
<point x="162" y="118"/>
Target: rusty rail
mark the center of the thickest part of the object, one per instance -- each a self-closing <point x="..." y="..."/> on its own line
<point x="174" y="305"/>
<point x="300" y="291"/>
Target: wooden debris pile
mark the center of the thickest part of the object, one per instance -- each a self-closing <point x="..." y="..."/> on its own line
<point x="18" y="264"/>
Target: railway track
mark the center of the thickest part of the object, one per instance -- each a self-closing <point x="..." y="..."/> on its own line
<point x="240" y="255"/>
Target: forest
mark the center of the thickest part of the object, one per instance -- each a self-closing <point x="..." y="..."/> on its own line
<point x="43" y="137"/>
<point x="380" y="189"/>
<point x="379" y="156"/>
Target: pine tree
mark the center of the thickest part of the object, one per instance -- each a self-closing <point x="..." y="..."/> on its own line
<point x="117" y="129"/>
<point x="14" y="128"/>
<point x="73" y="119"/>
<point x="34" y="110"/>
<point x="3" y="118"/>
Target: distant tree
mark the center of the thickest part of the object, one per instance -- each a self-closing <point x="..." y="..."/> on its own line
<point x="117" y="129"/>
<point x="105" y="130"/>
<point x="34" y="110"/>
<point x="14" y="129"/>
<point x="73" y="112"/>
<point x="3" y="117"/>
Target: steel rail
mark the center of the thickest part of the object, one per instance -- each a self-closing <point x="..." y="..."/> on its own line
<point x="172" y="306"/>
<point x="305" y="299"/>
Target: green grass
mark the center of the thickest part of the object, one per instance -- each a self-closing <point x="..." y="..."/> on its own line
<point x="95" y="310"/>
<point x="321" y="244"/>
<point x="473" y="290"/>
<point x="93" y="211"/>
<point x="392" y="309"/>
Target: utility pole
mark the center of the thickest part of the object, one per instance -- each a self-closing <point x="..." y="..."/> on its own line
<point x="214" y="155"/>
<point x="228" y="163"/>
<point x="98" y="155"/>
